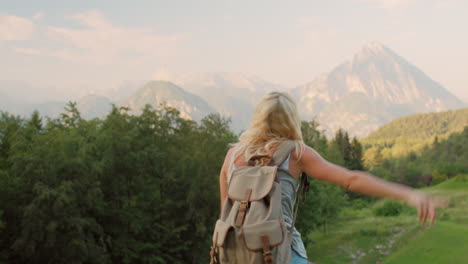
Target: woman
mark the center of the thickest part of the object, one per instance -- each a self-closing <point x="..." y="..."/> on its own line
<point x="276" y="119"/>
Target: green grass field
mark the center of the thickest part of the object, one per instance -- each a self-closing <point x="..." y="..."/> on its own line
<point x="445" y="243"/>
<point x="360" y="237"/>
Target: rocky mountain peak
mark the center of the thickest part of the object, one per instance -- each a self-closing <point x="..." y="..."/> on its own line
<point x="157" y="92"/>
<point x="373" y="48"/>
<point x="371" y="89"/>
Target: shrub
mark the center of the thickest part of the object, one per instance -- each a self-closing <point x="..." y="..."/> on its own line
<point x="461" y="178"/>
<point x="388" y="208"/>
<point x="438" y="176"/>
<point x="358" y="204"/>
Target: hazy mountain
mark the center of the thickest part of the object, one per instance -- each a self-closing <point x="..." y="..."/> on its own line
<point x="94" y="106"/>
<point x="373" y="88"/>
<point x="157" y="92"/>
<point x="359" y="95"/>
<point x="90" y="106"/>
<point x="14" y="89"/>
<point x="231" y="94"/>
<point x="5" y="102"/>
<point x="50" y="108"/>
<point x="122" y="92"/>
<point x="14" y="99"/>
<point x="22" y="98"/>
<point x="23" y="91"/>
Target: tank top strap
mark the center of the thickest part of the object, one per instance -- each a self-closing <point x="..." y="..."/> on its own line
<point x="285" y="164"/>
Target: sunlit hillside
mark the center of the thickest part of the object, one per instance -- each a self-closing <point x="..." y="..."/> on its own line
<point x="361" y="237"/>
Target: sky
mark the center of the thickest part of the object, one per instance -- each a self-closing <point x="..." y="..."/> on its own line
<point x="70" y="48"/>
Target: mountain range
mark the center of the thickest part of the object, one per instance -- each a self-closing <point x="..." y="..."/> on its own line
<point x="376" y="86"/>
<point x="155" y="93"/>
<point x="360" y="95"/>
<point x="230" y="94"/>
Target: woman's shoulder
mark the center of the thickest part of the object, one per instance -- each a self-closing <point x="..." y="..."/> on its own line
<point x="305" y="153"/>
<point x="299" y="150"/>
<point x="232" y="149"/>
<point x="235" y="156"/>
<point x="300" y="158"/>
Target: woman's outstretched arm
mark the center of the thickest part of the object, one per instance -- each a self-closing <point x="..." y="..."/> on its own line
<point x="362" y="182"/>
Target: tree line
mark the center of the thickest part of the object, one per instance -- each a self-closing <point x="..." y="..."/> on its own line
<point x="130" y="188"/>
<point x="124" y="189"/>
<point x="412" y="133"/>
<point x="437" y="161"/>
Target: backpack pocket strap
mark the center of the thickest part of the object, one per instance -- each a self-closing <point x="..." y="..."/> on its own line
<point x="244" y="205"/>
<point x="256" y="236"/>
<point x="214" y="250"/>
<point x="220" y="232"/>
<point x="259" y="179"/>
<point x="267" y="256"/>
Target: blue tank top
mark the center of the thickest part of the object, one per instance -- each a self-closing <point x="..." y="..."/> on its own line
<point x="289" y="186"/>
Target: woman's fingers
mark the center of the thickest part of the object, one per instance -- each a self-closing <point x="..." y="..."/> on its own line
<point x="420" y="213"/>
<point x="427" y="206"/>
<point x="427" y="213"/>
<point x="424" y="212"/>
<point x="433" y="213"/>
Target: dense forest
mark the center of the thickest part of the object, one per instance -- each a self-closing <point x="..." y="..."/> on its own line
<point x="145" y="188"/>
<point x="125" y="189"/>
<point x="436" y="162"/>
<point x="412" y="133"/>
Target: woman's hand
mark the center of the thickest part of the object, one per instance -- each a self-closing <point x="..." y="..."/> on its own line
<point x="426" y="206"/>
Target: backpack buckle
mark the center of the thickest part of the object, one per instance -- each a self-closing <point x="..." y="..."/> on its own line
<point x="267" y="255"/>
<point x="244" y="205"/>
<point x="214" y="251"/>
<point x="214" y="255"/>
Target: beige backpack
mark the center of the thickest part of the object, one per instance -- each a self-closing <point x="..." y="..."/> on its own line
<point x="251" y="228"/>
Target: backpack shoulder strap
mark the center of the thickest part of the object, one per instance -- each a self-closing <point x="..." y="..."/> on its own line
<point x="279" y="157"/>
<point x="282" y="152"/>
<point x="302" y="191"/>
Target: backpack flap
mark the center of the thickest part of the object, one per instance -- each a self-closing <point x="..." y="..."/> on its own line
<point x="220" y="232"/>
<point x="257" y="181"/>
<point x="254" y="235"/>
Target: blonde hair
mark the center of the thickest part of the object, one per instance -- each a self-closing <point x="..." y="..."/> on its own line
<point x="275" y="120"/>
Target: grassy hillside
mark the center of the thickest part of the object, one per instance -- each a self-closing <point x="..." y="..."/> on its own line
<point x="365" y="239"/>
<point x="412" y="133"/>
<point x="423" y="126"/>
<point x="445" y="243"/>
<point x="360" y="237"/>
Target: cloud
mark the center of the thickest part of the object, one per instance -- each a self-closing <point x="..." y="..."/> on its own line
<point x="319" y="49"/>
<point x="16" y="28"/>
<point x="38" y="16"/>
<point x="103" y="43"/>
<point x="307" y="21"/>
<point x="27" y="51"/>
<point x="388" y="4"/>
<point x="448" y="4"/>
